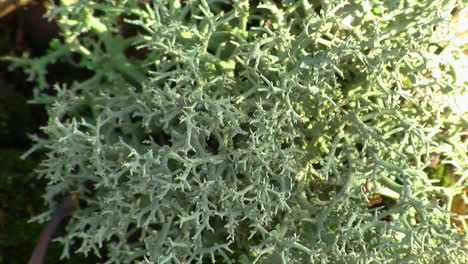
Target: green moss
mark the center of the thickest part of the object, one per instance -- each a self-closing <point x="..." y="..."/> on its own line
<point x="443" y="173"/>
<point x="17" y="204"/>
<point x="15" y="115"/>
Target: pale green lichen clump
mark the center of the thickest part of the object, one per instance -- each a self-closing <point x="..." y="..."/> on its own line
<point x="254" y="131"/>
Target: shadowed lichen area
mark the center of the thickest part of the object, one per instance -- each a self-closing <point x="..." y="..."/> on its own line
<point x="255" y="131"/>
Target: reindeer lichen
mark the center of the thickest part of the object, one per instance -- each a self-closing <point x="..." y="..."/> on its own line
<point x="254" y="131"/>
